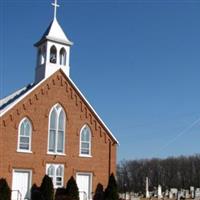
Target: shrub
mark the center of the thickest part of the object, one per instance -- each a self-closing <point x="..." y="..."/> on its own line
<point x="111" y="192"/>
<point x="60" y="192"/>
<point x="62" y="197"/>
<point x="35" y="193"/>
<point x="5" y="192"/>
<point x="99" y="193"/>
<point x="72" y="189"/>
<point x="46" y="188"/>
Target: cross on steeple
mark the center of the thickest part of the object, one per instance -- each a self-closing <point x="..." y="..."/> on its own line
<point x="55" y="5"/>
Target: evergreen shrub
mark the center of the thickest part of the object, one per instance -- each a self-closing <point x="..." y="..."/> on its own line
<point x="72" y="189"/>
<point x="46" y="188"/>
<point x="35" y="193"/>
<point x="60" y="191"/>
<point x="111" y="192"/>
<point x="5" y="192"/>
<point x="99" y="193"/>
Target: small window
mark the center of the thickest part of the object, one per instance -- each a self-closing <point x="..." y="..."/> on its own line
<point x="59" y="176"/>
<point x="56" y="130"/>
<point x="41" y="56"/>
<point x="62" y="57"/>
<point x="85" y="141"/>
<point x="53" y="55"/>
<point x="24" y="138"/>
<point x="56" y="173"/>
<point x="51" y="171"/>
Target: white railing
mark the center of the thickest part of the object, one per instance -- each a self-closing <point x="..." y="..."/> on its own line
<point x="18" y="195"/>
<point x="83" y="195"/>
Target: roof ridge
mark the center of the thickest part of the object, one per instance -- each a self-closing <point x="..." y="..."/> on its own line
<point x="4" y="102"/>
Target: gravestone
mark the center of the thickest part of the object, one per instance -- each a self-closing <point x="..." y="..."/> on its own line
<point x="192" y="192"/>
<point x="174" y="192"/>
<point x="187" y="194"/>
<point x="197" y="193"/>
<point x="170" y="195"/>
<point x="167" y="193"/>
<point x="147" y="187"/>
<point x="159" y="192"/>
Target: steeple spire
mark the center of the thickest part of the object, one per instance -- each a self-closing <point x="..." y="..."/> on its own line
<point x="55" y="5"/>
<point x="53" y="50"/>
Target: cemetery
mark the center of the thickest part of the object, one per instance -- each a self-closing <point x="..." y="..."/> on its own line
<point x="157" y="193"/>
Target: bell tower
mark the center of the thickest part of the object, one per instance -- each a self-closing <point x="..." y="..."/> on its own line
<point x="53" y="50"/>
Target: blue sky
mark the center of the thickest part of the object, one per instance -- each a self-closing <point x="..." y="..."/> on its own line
<point x="137" y="62"/>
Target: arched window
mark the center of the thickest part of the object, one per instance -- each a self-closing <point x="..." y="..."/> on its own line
<point x="24" y="135"/>
<point x="56" y="130"/>
<point x="53" y="55"/>
<point x="59" y="176"/>
<point x="56" y="173"/>
<point x="51" y="171"/>
<point x="62" y="57"/>
<point x="85" y="141"/>
<point x="41" y="56"/>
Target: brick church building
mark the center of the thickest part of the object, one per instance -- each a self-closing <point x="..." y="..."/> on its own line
<point x="49" y="127"/>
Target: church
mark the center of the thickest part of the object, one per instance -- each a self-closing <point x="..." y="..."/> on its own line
<point x="49" y="127"/>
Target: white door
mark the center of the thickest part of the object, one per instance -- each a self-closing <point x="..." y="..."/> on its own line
<point x="21" y="185"/>
<point x="84" y="182"/>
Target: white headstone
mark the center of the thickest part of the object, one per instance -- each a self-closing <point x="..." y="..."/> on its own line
<point x="192" y="192"/>
<point x="197" y="193"/>
<point x="174" y="192"/>
<point x="160" y="191"/>
<point x="147" y="187"/>
<point x="170" y="195"/>
<point x="187" y="194"/>
<point x="167" y="193"/>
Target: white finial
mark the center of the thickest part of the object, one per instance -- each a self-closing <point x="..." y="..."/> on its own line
<point x="55" y="5"/>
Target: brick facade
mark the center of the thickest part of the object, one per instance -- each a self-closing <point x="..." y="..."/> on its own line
<point x="36" y="107"/>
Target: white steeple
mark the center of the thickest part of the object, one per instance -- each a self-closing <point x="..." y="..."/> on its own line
<point x="53" y="50"/>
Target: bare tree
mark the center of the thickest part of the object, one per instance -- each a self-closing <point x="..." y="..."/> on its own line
<point x="179" y="172"/>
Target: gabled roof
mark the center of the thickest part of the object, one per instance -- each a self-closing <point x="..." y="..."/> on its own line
<point x="6" y="102"/>
<point x="55" y="33"/>
<point x="10" y="101"/>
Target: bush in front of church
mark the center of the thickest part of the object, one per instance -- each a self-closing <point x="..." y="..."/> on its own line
<point x="35" y="193"/>
<point x="61" y="194"/>
<point x="111" y="192"/>
<point x="5" y="192"/>
<point x="46" y="188"/>
<point x="72" y="189"/>
<point x="99" y="192"/>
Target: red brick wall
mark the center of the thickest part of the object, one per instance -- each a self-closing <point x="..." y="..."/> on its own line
<point x="36" y="106"/>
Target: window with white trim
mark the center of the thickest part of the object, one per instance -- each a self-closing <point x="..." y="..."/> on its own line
<point x="63" y="56"/>
<point x="56" y="130"/>
<point x="24" y="135"/>
<point x="56" y="173"/>
<point x="85" y="141"/>
<point x="53" y="55"/>
<point x="41" y="56"/>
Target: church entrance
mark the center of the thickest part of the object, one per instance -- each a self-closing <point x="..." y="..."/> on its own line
<point x="84" y="182"/>
<point x="21" y="183"/>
